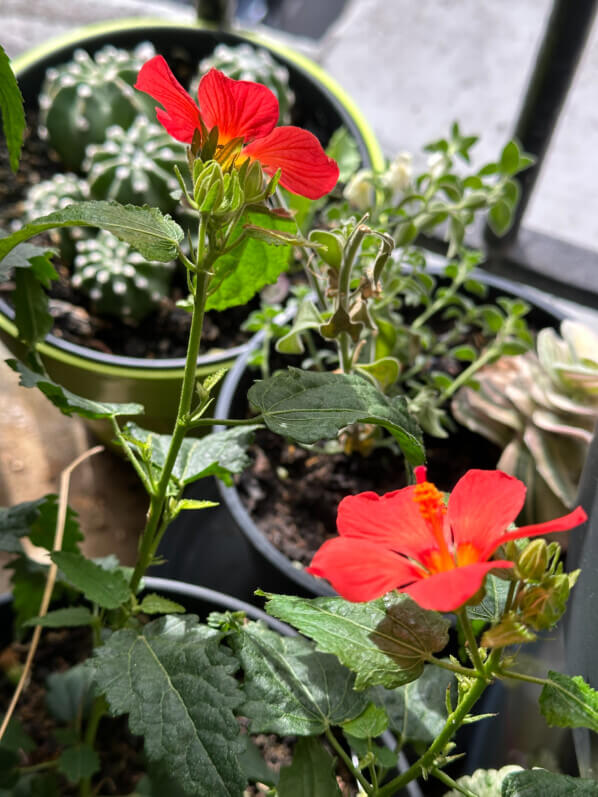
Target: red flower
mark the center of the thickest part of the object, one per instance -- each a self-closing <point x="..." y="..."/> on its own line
<point x="245" y="111"/>
<point x="410" y="541"/>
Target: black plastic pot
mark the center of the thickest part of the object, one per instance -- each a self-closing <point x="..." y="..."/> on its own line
<point x="321" y="106"/>
<point x="223" y="547"/>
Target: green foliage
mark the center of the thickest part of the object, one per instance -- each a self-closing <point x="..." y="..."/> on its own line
<point x="541" y="783"/>
<point x="182" y="703"/>
<point x="67" y="402"/>
<point x="82" y="98"/>
<point x="12" y="111"/>
<point x="16" y="522"/>
<point x="118" y="280"/>
<point x="52" y="195"/>
<point x="343" y="148"/>
<point x="372" y="721"/>
<point x="484" y="782"/>
<point x="490" y="609"/>
<point x="385" y="642"/>
<point x="311" y="774"/>
<point x="69" y="617"/>
<point x="108" y="588"/>
<point x="156" y="604"/>
<point x="78" y="762"/>
<point x="290" y="688"/>
<point x="569" y="702"/>
<point x="310" y="406"/>
<point x="69" y="694"/>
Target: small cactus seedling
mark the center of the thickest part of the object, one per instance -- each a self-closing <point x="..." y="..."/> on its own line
<point x="117" y="279"/>
<point x="54" y="194"/>
<point x="136" y="165"/>
<point x="245" y="62"/>
<point x="82" y="98"/>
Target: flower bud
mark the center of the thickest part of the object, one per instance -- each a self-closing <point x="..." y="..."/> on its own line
<point x="253" y="185"/>
<point x="543" y="605"/>
<point x="359" y="190"/>
<point x="398" y="175"/>
<point x="533" y="561"/>
<point x="209" y="189"/>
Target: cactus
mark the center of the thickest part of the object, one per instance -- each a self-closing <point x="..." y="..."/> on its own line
<point x="136" y="165"/>
<point x="54" y="194"/>
<point x="82" y="98"/>
<point x="117" y="279"/>
<point x="245" y="62"/>
<point x="541" y="409"/>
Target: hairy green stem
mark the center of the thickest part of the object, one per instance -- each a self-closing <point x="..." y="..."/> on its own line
<point x="347" y="759"/>
<point x="440" y="775"/>
<point x="226" y="421"/>
<point x="143" y="476"/>
<point x="471" y="640"/>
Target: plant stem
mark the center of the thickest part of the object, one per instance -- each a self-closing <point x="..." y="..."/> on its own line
<point x="148" y="487"/>
<point x="347" y="759"/>
<point x="531" y="679"/>
<point x="471" y="640"/>
<point x="226" y="421"/>
<point x="452" y="784"/>
<point x="98" y="709"/>
<point x="465" y="375"/>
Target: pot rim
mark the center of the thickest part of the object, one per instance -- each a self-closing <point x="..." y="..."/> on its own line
<point x="230" y="495"/>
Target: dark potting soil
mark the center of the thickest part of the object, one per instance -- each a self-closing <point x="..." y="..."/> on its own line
<point x="162" y="334"/>
<point x="292" y="493"/>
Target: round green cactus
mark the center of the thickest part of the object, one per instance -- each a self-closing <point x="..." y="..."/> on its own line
<point x="54" y="194"/>
<point x="82" y="98"/>
<point x="117" y="279"/>
<point x="135" y="165"/>
<point x="245" y="62"/>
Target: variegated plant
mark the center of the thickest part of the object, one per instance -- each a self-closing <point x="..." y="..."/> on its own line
<point x="541" y="409"/>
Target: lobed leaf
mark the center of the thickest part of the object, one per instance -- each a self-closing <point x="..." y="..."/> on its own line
<point x="541" y="783"/>
<point x="569" y="702"/>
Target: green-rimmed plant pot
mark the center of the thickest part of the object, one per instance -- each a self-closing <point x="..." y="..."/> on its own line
<point x="321" y="106"/>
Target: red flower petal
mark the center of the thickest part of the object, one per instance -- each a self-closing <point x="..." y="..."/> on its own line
<point x="481" y="507"/>
<point x="306" y="169"/>
<point x="238" y="108"/>
<point x="181" y="115"/>
<point x="392" y="521"/>
<point x="449" y="590"/>
<point x="359" y="570"/>
<point x="564" y="523"/>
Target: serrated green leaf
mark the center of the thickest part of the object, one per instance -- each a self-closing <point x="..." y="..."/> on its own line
<point x="176" y="683"/>
<point x="541" y="783"/>
<point x="108" y="588"/>
<point x="67" y="402"/>
<point x="152" y="234"/>
<point x="290" y="688"/>
<point x="64" y="618"/>
<point x="78" y="762"/>
<point x="308" y="406"/>
<point x="156" y="604"/>
<point x="385" y="642"/>
<point x="311" y="773"/>
<point x="69" y="694"/>
<point x="15" y="738"/>
<point x="16" y="522"/>
<point x="417" y="711"/>
<point x="569" y="702"/>
<point x="218" y="454"/>
<point x="251" y="265"/>
<point x="43" y="527"/>
<point x="27" y="256"/>
<point x="13" y="113"/>
<point x="490" y="609"/>
<point x="372" y="721"/>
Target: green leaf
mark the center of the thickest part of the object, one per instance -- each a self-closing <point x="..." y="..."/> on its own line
<point x="29" y="256"/>
<point x="152" y="234"/>
<point x="16" y="522"/>
<point x="9" y="769"/>
<point x="78" y="762"/>
<point x="244" y="271"/>
<point x="308" y="406"/>
<point x="311" y="774"/>
<point x="490" y="609"/>
<point x="541" y="783"/>
<point x="43" y="528"/>
<point x="69" y="694"/>
<point x="156" y="604"/>
<point x="385" y="371"/>
<point x="108" y="588"/>
<point x="254" y="766"/>
<point x="384" y="641"/>
<point x="11" y="107"/>
<point x="343" y="148"/>
<point x="15" y="738"/>
<point x="290" y="688"/>
<point x="308" y="317"/>
<point x="509" y="158"/>
<point x="67" y="402"/>
<point x="64" y="618"/>
<point x="464" y="353"/>
<point x="483" y="782"/>
<point x="32" y="317"/>
<point x="417" y="710"/>
<point x="218" y="454"/>
<point x="569" y="702"/>
<point x="176" y="684"/>
<point x="499" y="217"/>
<point x="372" y="721"/>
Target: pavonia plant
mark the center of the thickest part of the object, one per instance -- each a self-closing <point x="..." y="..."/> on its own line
<point x="403" y="563"/>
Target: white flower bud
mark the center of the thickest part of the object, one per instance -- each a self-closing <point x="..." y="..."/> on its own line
<point x="359" y="190"/>
<point x="398" y="175"/>
<point x="436" y="164"/>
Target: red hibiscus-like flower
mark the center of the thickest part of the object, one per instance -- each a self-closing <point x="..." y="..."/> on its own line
<point x="411" y="541"/>
<point x="244" y="111"/>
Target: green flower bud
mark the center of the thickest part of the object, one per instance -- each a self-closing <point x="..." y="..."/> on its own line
<point x="253" y="185"/>
<point x="208" y="189"/>
<point x="510" y="631"/>
<point x="543" y="605"/>
<point x="533" y="560"/>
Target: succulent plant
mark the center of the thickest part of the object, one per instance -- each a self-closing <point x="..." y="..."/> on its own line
<point x="541" y="409"/>
<point x="117" y="279"/>
<point x="245" y="62"/>
<point x="81" y="99"/>
<point x="136" y="165"/>
<point x="54" y="194"/>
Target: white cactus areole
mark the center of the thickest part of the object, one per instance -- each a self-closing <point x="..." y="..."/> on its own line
<point x="118" y="280"/>
<point x="136" y="165"/>
<point x="81" y="99"/>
